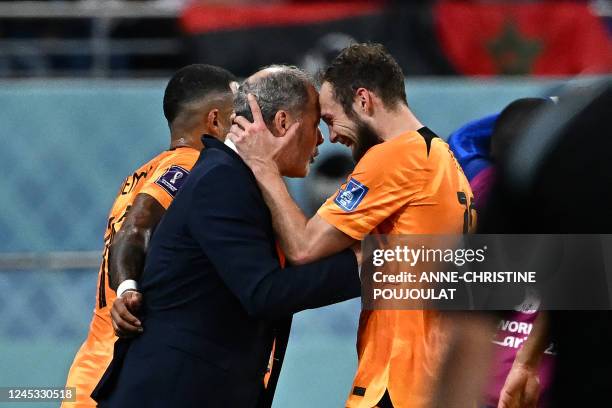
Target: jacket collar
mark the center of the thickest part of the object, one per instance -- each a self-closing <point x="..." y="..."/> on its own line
<point x="212" y="142"/>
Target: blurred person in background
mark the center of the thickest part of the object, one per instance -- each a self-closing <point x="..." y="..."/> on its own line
<point x="479" y="146"/>
<point x="405" y="181"/>
<point x="198" y="99"/>
<point x="556" y="180"/>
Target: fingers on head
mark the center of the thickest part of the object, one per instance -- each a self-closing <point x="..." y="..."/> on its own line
<point x="254" y="108"/>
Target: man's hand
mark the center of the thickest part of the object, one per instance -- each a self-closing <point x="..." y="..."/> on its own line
<point x="125" y="323"/>
<point x="521" y="389"/>
<point x="256" y="144"/>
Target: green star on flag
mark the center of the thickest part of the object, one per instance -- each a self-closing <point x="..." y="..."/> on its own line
<point x="513" y="53"/>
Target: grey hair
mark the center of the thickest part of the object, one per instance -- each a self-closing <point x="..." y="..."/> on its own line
<point x="285" y="88"/>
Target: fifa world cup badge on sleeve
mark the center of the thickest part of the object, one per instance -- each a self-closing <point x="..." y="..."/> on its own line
<point x="172" y="179"/>
<point x="350" y="196"/>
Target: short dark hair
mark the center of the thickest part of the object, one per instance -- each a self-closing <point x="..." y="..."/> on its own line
<point x="194" y="82"/>
<point x="284" y="88"/>
<point x="369" y="66"/>
<point x="512" y="122"/>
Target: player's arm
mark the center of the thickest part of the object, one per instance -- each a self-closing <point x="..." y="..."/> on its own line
<point x="129" y="247"/>
<point x="131" y="243"/>
<point x="126" y="261"/>
<point x="303" y="240"/>
<point x="342" y="220"/>
<point x="522" y="386"/>
<point x="227" y="224"/>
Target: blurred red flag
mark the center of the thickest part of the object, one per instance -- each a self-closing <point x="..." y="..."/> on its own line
<point x="551" y="38"/>
<point x="198" y="18"/>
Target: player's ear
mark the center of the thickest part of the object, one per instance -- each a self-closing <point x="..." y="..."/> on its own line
<point x="281" y="123"/>
<point x="212" y="119"/>
<point x="363" y="101"/>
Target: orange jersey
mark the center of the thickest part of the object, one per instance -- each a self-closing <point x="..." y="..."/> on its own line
<point x="411" y="184"/>
<point x="160" y="178"/>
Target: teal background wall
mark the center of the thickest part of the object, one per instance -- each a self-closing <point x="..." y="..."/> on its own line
<point x="65" y="148"/>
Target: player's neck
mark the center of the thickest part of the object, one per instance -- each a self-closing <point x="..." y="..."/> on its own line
<point x="396" y="122"/>
<point x="186" y="140"/>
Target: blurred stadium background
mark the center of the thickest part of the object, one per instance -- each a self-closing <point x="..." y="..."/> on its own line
<point x="81" y="84"/>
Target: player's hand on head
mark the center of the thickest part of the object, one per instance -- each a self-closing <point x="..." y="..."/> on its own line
<point x="255" y="143"/>
<point x="125" y="323"/>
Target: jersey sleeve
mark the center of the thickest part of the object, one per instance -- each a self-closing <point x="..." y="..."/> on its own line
<point x="382" y="182"/>
<point x="168" y="177"/>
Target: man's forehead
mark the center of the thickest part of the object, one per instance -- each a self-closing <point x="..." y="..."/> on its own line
<point x="326" y="98"/>
<point x="326" y="88"/>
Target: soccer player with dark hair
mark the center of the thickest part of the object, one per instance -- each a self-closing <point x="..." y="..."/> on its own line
<point x="197" y="100"/>
<point x="362" y="68"/>
<point x="406" y="181"/>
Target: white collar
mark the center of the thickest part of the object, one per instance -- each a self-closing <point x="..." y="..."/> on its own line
<point x="230" y="144"/>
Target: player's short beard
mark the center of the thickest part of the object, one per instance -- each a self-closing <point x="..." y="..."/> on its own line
<point x="366" y="138"/>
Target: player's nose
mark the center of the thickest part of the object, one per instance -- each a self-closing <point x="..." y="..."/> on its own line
<point x="333" y="136"/>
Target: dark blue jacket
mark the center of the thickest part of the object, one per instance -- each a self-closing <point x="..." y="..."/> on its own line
<point x="216" y="297"/>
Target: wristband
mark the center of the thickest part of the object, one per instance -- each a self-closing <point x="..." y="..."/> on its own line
<point x="128" y="284"/>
